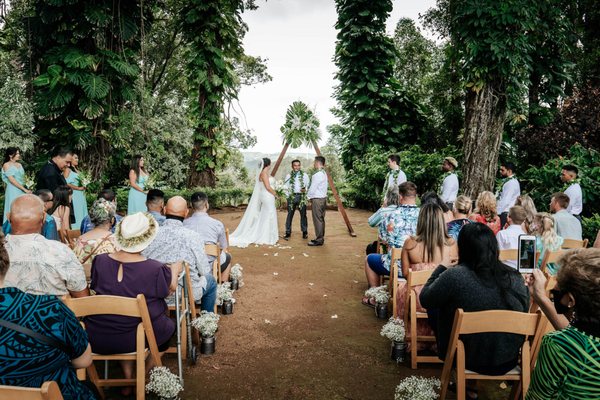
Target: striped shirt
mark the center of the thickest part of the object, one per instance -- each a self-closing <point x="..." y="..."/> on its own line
<point x="568" y="367"/>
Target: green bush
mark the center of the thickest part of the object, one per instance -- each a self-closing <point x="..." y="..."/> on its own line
<point x="591" y="226"/>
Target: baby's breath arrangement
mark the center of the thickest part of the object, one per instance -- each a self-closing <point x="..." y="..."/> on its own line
<point x="236" y="273"/>
<point x="224" y="293"/>
<point x="207" y="323"/>
<point x="164" y="384"/>
<point x="84" y="178"/>
<point x="150" y="183"/>
<point x="379" y="293"/>
<point x="394" y="330"/>
<point x="417" y="388"/>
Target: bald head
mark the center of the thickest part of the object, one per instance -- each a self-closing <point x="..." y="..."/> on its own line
<point x="26" y="215"/>
<point x="177" y="207"/>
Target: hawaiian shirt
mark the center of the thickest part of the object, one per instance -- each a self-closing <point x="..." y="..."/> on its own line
<point x="396" y="225"/>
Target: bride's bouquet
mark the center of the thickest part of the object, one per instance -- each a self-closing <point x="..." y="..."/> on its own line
<point x="281" y="190"/>
<point x="30" y="181"/>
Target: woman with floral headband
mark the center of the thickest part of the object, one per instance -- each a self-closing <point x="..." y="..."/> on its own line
<point x="99" y="240"/>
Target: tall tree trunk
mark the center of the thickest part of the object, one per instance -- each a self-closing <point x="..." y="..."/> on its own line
<point x="484" y="123"/>
<point x="205" y="177"/>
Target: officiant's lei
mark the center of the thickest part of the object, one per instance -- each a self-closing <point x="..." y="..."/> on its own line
<point x="394" y="173"/>
<point x="292" y="180"/>
<point x="572" y="182"/>
<point x="501" y="183"/>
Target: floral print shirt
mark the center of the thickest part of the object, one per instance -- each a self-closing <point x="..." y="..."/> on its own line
<point x="86" y="250"/>
<point x="397" y="223"/>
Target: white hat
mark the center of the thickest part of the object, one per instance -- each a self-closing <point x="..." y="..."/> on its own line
<point x="135" y="232"/>
<point x="452" y="161"/>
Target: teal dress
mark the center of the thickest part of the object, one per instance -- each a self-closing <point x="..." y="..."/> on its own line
<point x="552" y="267"/>
<point x="12" y="192"/>
<point x="137" y="199"/>
<point x="79" y="202"/>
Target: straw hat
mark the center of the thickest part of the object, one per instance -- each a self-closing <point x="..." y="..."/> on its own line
<point x="135" y="232"/>
<point x="452" y="161"/>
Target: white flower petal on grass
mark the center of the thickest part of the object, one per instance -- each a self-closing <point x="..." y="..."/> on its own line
<point x="267" y="321"/>
<point x="355" y="281"/>
<point x="292" y="258"/>
<point x="266" y="254"/>
<point x="334" y="316"/>
<point x="305" y="255"/>
<point x="275" y="273"/>
<point x="311" y="284"/>
<point x="324" y="295"/>
<point x="275" y="255"/>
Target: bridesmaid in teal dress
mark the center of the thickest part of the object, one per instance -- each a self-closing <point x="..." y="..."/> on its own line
<point x="74" y="182"/>
<point x="137" y="180"/>
<point x="13" y="175"/>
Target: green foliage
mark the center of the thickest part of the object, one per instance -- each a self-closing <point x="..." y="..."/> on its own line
<point x="301" y="126"/>
<point x="591" y="226"/>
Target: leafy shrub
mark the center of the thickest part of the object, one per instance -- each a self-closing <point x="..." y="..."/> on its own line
<point x="591" y="226"/>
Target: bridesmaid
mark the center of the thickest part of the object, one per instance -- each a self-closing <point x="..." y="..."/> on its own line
<point x="13" y="176"/>
<point x="137" y="179"/>
<point x="71" y="175"/>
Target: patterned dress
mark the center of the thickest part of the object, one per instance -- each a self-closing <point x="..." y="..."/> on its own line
<point x="28" y="362"/>
<point x="12" y="192"/>
<point x="568" y="367"/>
<point x="456" y="225"/>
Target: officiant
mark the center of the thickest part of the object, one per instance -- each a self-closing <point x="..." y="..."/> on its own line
<point x="296" y="184"/>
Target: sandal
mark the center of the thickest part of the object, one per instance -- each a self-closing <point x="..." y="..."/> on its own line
<point x="367" y="302"/>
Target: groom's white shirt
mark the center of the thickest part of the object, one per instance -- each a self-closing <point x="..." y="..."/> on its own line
<point x="318" y="185"/>
<point x="296" y="184"/>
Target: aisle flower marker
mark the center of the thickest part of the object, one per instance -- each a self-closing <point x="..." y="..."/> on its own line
<point x="381" y="296"/>
<point x="207" y="324"/>
<point x="417" y="388"/>
<point x="164" y="384"/>
<point x="394" y="331"/>
<point x="236" y="277"/>
<point x="225" y="298"/>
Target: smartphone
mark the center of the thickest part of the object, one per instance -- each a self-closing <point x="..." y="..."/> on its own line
<point x="526" y="260"/>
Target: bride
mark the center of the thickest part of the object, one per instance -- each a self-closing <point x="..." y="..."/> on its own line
<point x="259" y="223"/>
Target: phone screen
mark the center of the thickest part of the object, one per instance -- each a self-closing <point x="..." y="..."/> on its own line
<point x="526" y="260"/>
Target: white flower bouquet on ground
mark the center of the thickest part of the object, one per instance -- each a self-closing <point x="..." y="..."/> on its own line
<point x="394" y="330"/>
<point x="379" y="293"/>
<point x="164" y="384"/>
<point x="207" y="323"/>
<point x="236" y="274"/>
<point x="224" y="293"/>
<point x="417" y="388"/>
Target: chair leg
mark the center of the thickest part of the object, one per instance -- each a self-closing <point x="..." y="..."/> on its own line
<point x="461" y="390"/>
<point x="445" y="378"/>
<point x="95" y="379"/>
<point x="525" y="369"/>
<point x="413" y="332"/>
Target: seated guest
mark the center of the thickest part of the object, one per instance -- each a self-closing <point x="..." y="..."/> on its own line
<point x="528" y="205"/>
<point x="174" y="243"/>
<point x="38" y="265"/>
<point x="108" y="195"/>
<point x="485" y="211"/>
<point x="49" y="228"/>
<point x="212" y="231"/>
<point x="568" y="364"/>
<point x="394" y="227"/>
<point x="155" y="202"/>
<point x="479" y="282"/>
<point x="545" y="238"/>
<point x="61" y="207"/>
<point x="390" y="203"/>
<point x="461" y="210"/>
<point x="128" y="273"/>
<point x="425" y="251"/>
<point x="509" y="238"/>
<point x="433" y="198"/>
<point x="99" y="240"/>
<point x="28" y="361"/>
<point x="567" y="226"/>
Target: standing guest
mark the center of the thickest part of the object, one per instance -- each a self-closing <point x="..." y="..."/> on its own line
<point x="211" y="230"/>
<point x="174" y="243"/>
<point x="567" y="226"/>
<point x="296" y="183"/>
<point x="71" y="174"/>
<point x="433" y="198"/>
<point x="13" y="175"/>
<point x="317" y="194"/>
<point x="108" y="195"/>
<point x="395" y="226"/>
<point x="137" y="180"/>
<point x="396" y="176"/>
<point x="485" y="211"/>
<point x="60" y="209"/>
<point x="38" y="265"/>
<point x="568" y="364"/>
<point x="479" y="282"/>
<point x="509" y="238"/>
<point x="461" y="211"/>
<point x="49" y="230"/>
<point x="51" y="175"/>
<point x="155" y="202"/>
<point x="99" y="240"/>
<point x="528" y="205"/>
<point x="128" y="273"/>
<point x="28" y="361"/>
<point x="449" y="188"/>
<point x="572" y="189"/>
<point x="510" y="189"/>
<point x="546" y="238"/>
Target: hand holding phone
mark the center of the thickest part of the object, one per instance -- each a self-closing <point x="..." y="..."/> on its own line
<point x="526" y="254"/>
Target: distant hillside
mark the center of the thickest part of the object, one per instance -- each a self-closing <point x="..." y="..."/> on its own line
<point x="252" y="160"/>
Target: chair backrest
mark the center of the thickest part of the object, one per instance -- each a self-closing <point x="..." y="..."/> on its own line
<point x="48" y="391"/>
<point x="575" y="244"/>
<point x="508" y="255"/>
<point x="211" y="249"/>
<point x="551" y="257"/>
<point x="500" y="321"/>
<point x="190" y="290"/>
<point x="214" y="251"/>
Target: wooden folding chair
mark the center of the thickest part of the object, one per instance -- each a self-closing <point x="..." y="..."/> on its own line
<point x="191" y="304"/>
<point x="227" y="236"/>
<point x="128" y="307"/>
<point x="48" y="391"/>
<point x="551" y="257"/>
<point x="214" y="251"/>
<point x="500" y="321"/>
<point x="508" y="255"/>
<point x="550" y="284"/>
<point x="381" y="250"/>
<point x="575" y="244"/>
<point x="69" y="236"/>
<point x="393" y="282"/>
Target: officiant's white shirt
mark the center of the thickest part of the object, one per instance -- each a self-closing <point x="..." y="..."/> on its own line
<point x="297" y="188"/>
<point x="318" y="186"/>
<point x="449" y="189"/>
<point x="510" y="191"/>
<point x="575" y="199"/>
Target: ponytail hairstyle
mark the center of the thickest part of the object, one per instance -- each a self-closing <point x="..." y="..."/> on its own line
<point x="266" y="162"/>
<point x="10" y="152"/>
<point x="546" y="230"/>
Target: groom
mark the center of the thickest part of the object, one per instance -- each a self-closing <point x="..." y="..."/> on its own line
<point x="317" y="194"/>
<point x="296" y="183"/>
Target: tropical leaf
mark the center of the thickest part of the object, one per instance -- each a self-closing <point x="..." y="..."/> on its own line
<point x="123" y="67"/>
<point x="95" y="86"/>
<point x="90" y="108"/>
<point x="76" y="59"/>
<point x="60" y="97"/>
<point x="301" y="126"/>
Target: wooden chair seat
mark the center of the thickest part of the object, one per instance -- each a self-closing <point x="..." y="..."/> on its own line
<point x="574" y="244"/>
<point x="48" y="391"/>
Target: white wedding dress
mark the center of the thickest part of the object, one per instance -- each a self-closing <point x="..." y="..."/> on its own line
<point x="259" y="223"/>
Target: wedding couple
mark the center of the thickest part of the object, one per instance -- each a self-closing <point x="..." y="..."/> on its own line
<point x="259" y="223"/>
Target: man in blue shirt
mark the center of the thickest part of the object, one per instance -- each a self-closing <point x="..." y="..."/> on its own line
<point x="49" y="230"/>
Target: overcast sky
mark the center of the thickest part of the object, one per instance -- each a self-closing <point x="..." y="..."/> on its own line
<point x="298" y="38"/>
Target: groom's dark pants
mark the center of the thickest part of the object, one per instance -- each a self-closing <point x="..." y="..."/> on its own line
<point x="292" y="206"/>
<point x="318" y="214"/>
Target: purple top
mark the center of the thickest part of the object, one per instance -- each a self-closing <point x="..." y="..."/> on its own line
<point x="116" y="334"/>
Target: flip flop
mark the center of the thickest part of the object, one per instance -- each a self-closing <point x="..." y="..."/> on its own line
<point x="367" y="302"/>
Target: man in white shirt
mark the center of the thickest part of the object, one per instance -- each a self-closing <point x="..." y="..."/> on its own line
<point x="509" y="238"/>
<point x="509" y="192"/>
<point x="296" y="183"/>
<point x="317" y="194"/>
<point x="569" y="176"/>
<point x="449" y="189"/>
<point x="396" y="176"/>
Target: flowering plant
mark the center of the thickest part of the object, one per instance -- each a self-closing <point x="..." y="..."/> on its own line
<point x="84" y="178"/>
<point x="417" y="388"/>
<point x="224" y="293"/>
<point x="236" y="272"/>
<point x="207" y="323"/>
<point x="150" y="183"/>
<point x="301" y="126"/>
<point x="29" y="181"/>
<point x="379" y="293"/>
<point x="394" y="330"/>
<point x="164" y="383"/>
